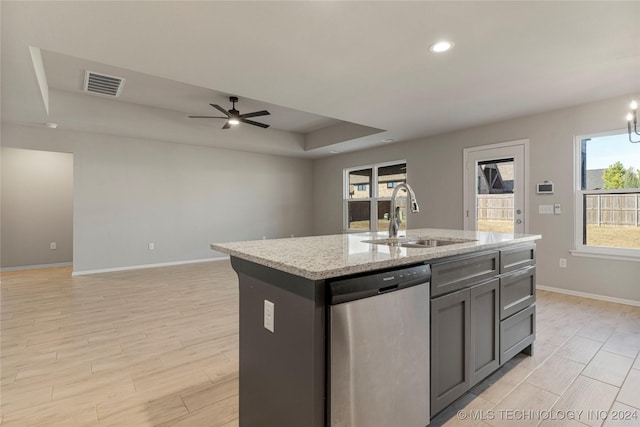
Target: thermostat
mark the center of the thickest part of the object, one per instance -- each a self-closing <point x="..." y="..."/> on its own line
<point x="544" y="187"/>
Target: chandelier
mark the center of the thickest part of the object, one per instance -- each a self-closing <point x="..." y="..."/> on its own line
<point x="632" y="116"/>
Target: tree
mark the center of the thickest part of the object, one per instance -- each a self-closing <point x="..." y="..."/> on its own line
<point x="631" y="178"/>
<point x="613" y="176"/>
<point x="616" y="176"/>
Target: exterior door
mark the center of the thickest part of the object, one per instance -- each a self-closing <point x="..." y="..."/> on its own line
<point x="494" y="187"/>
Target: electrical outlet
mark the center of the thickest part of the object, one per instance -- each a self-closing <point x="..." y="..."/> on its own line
<point x="53" y="246"/>
<point x="152" y="246"/>
<point x="563" y="263"/>
<point x="269" y="313"/>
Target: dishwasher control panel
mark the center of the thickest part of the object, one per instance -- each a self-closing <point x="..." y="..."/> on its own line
<point x="365" y="285"/>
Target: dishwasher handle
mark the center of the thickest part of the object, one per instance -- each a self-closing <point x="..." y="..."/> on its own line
<point x="374" y="283"/>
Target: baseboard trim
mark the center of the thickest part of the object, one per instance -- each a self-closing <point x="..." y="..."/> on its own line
<point x="33" y="267"/>
<point x="143" y="266"/>
<point x="589" y="295"/>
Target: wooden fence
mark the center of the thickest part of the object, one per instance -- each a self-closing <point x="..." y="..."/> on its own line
<point x="602" y="209"/>
<point x="495" y="207"/>
<point x="613" y="209"/>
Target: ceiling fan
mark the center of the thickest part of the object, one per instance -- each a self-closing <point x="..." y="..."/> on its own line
<point x="234" y="117"/>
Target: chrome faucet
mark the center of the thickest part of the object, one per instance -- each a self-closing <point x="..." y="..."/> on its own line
<point x="395" y="221"/>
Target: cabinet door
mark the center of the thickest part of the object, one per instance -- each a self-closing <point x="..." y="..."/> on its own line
<point x="485" y="327"/>
<point x="450" y="348"/>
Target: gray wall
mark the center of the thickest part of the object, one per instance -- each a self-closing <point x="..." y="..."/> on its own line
<point x="130" y="192"/>
<point x="37" y="207"/>
<point x="434" y="167"/>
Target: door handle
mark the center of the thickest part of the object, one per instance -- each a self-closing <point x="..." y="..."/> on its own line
<point x="518" y="221"/>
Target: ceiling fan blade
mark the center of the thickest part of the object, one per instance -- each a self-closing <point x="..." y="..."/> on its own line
<point x="219" y="108"/>
<point x="251" y="122"/>
<point x="207" y="117"/>
<point x="255" y="114"/>
<point x="226" y="125"/>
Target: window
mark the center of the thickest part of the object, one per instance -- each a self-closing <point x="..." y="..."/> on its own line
<point x="368" y="192"/>
<point x="607" y="196"/>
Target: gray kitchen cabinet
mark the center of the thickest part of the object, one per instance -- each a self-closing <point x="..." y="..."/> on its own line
<point x="517" y="334"/>
<point x="460" y="272"/>
<point x="517" y="301"/>
<point x="482" y="314"/>
<point x="450" y="344"/>
<point x="517" y="291"/>
<point x="484" y="356"/>
<point x="517" y="257"/>
<point x="464" y="325"/>
<point x="464" y="341"/>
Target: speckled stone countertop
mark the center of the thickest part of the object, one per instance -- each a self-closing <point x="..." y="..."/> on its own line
<point x="322" y="257"/>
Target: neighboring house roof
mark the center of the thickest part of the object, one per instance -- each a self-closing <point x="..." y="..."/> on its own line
<point x="594" y="179"/>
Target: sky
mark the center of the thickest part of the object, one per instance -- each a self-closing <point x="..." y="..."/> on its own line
<point x="602" y="152"/>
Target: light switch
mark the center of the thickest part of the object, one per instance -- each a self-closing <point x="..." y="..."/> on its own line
<point x="556" y="209"/>
<point x="545" y="209"/>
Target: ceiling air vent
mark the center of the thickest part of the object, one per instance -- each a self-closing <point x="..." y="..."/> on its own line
<point x="102" y="83"/>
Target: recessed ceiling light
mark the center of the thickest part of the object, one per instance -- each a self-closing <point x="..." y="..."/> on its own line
<point x="388" y="140"/>
<point x="441" y="46"/>
<point x="51" y="125"/>
<point x="334" y="152"/>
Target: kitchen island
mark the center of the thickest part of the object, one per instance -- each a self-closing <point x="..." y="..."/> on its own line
<point x="480" y="278"/>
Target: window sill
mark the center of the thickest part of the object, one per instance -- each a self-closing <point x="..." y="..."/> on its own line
<point x="606" y="254"/>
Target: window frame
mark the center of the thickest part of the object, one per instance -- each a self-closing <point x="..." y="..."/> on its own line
<point x="373" y="198"/>
<point x="606" y="252"/>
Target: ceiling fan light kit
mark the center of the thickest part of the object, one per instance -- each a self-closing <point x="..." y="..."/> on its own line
<point x="234" y="117"/>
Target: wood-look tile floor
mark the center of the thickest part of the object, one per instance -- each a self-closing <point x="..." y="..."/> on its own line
<point x="585" y="371"/>
<point x="159" y="347"/>
<point x="135" y="348"/>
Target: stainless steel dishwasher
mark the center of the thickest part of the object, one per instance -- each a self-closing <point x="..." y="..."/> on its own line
<point x="379" y="349"/>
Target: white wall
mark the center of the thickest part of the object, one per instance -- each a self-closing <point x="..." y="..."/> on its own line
<point x="37" y="207"/>
<point x="130" y="192"/>
<point x="434" y="167"/>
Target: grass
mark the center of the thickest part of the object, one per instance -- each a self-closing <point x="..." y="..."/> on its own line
<point x="621" y="237"/>
<point x="608" y="236"/>
<point x="495" y="225"/>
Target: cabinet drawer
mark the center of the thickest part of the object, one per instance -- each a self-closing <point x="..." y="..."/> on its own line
<point x="459" y="272"/>
<point x="516" y="333"/>
<point x="517" y="291"/>
<point x="515" y="258"/>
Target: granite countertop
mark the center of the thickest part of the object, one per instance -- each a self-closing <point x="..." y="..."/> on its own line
<point x="322" y="257"/>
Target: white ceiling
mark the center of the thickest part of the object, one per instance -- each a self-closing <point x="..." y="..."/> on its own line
<point x="314" y="66"/>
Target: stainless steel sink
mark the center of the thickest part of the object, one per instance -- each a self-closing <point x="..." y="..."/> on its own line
<point x="418" y="242"/>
